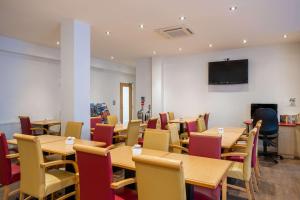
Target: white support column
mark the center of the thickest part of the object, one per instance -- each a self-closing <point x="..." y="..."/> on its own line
<point x="75" y="55"/>
<point x="157" y="86"/>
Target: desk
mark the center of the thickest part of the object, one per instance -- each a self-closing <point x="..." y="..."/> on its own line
<point x="229" y="137"/>
<point x="199" y="171"/>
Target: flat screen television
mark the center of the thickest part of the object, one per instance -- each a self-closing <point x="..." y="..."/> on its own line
<point x="228" y="72"/>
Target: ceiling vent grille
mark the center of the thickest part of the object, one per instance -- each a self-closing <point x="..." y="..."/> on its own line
<point x="175" y="32"/>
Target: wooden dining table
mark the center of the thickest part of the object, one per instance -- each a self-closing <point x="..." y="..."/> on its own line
<point x="45" y="124"/>
<point x="229" y="137"/>
<point x="198" y="171"/>
<point x="181" y="122"/>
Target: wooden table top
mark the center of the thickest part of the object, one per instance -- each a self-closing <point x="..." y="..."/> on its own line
<point x="198" y="171"/>
<point x="229" y="137"/>
<point x="183" y="120"/>
<point x="56" y="144"/>
<point x="123" y="127"/>
<point x="46" y="122"/>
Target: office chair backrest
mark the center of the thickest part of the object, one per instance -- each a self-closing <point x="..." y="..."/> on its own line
<point x="159" y="178"/>
<point x="157" y="139"/>
<point x="25" y="125"/>
<point x="31" y="158"/>
<point x="94" y="183"/>
<point x="104" y="133"/>
<point x="269" y="120"/>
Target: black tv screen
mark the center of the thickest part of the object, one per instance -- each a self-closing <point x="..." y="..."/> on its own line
<point x="228" y="72"/>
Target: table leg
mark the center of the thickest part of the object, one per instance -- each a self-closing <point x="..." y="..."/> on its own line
<point x="70" y="168"/>
<point x="224" y="188"/>
<point x="181" y="129"/>
<point x="189" y="191"/>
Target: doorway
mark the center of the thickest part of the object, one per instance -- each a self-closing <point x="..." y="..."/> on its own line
<point x="125" y="102"/>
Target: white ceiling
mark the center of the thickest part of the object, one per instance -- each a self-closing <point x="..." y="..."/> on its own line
<point x="258" y="21"/>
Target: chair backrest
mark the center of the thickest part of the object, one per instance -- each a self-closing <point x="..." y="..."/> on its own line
<point x="112" y="119"/>
<point x="152" y="123"/>
<point x="248" y="158"/>
<point x="133" y="132"/>
<point x="159" y="178"/>
<point x="156" y="139"/>
<point x="73" y="129"/>
<point x="104" y="133"/>
<point x="25" y="125"/>
<point x="201" y="124"/>
<point x="5" y="163"/>
<point x="94" y="183"/>
<point x="31" y="156"/>
<point x="255" y="144"/>
<point x="163" y="121"/>
<point x="94" y="121"/>
<point x="269" y="120"/>
<point x="205" y="145"/>
<point x="174" y="137"/>
<point x="206" y="117"/>
<point x="171" y="115"/>
<point x="191" y="126"/>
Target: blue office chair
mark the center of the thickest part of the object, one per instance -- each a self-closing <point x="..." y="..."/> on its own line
<point x="268" y="130"/>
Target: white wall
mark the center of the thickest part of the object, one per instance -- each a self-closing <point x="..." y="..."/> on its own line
<point x="273" y="78"/>
<point x="30" y="82"/>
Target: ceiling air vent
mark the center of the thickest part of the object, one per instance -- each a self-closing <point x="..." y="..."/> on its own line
<point x="175" y="32"/>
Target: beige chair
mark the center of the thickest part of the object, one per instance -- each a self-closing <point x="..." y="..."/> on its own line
<point x="37" y="180"/>
<point x="73" y="129"/>
<point x="112" y="120"/>
<point x="171" y="116"/>
<point x="175" y="142"/>
<point x="132" y="133"/>
<point x="242" y="170"/>
<point x="156" y="139"/>
<point x="201" y="127"/>
<point x="159" y="178"/>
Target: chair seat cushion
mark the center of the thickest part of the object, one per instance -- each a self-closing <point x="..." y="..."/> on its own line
<point x="236" y="171"/>
<point x="15" y="173"/>
<point x="202" y="193"/>
<point x="125" y="194"/>
<point x="58" y="179"/>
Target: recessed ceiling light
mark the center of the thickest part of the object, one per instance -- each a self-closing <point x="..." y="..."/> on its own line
<point x="179" y="49"/>
<point x="244" y="41"/>
<point x="182" y="18"/>
<point x="233" y="8"/>
<point x="107" y="33"/>
<point x="154" y="52"/>
<point x="210" y="45"/>
<point x="141" y="26"/>
<point x="285" y="36"/>
<point x="112" y="57"/>
<point x="57" y="43"/>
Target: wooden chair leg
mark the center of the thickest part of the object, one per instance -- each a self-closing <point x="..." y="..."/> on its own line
<point x="5" y="192"/>
<point x="252" y="189"/>
<point x="254" y="181"/>
<point x="248" y="190"/>
<point x="21" y="197"/>
<point x="257" y="171"/>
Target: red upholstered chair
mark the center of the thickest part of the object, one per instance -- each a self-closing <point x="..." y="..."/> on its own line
<point x="152" y="123"/>
<point x="205" y="146"/>
<point x="163" y="121"/>
<point x="206" y="117"/>
<point x="98" y="184"/>
<point x="93" y="122"/>
<point x="27" y="128"/>
<point x="191" y="126"/>
<point x="9" y="172"/>
<point x="104" y="133"/>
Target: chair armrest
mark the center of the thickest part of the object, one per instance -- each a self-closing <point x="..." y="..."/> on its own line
<point x="224" y="155"/>
<point x="179" y="147"/>
<point x="92" y="130"/>
<point x="122" y="183"/>
<point x="243" y="138"/>
<point x="120" y="136"/>
<point x="111" y="147"/>
<point x="13" y="155"/>
<point x="60" y="162"/>
<point x="239" y="146"/>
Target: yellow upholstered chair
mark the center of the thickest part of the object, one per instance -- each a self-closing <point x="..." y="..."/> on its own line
<point x="242" y="170"/>
<point x="37" y="180"/>
<point x="201" y="127"/>
<point x="159" y="178"/>
<point x="73" y="129"/>
<point x="112" y="120"/>
<point x="175" y="142"/>
<point x="156" y="139"/>
<point x="171" y="116"/>
<point x="132" y="133"/>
